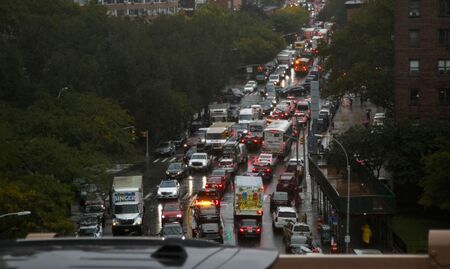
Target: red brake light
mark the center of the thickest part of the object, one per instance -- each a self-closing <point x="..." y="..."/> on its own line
<point x="216" y="202"/>
<point x="255" y="170"/>
<point x="258" y="230"/>
<point x="259" y="212"/>
<point x="267" y="170"/>
<point x="255" y="140"/>
<point x="163" y="216"/>
<point x="179" y="216"/>
<point x="220" y="185"/>
<point x="241" y="230"/>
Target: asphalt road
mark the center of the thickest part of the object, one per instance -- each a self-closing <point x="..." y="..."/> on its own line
<point x="154" y="172"/>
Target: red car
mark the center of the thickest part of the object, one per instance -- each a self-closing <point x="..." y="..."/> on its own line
<point x="287" y="183"/>
<point x="222" y="173"/>
<point x="172" y="212"/>
<point x="249" y="228"/>
<point x="216" y="183"/>
<point x="264" y="170"/>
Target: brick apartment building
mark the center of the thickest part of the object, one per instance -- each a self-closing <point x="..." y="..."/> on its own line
<point x="422" y="60"/>
<point x="150" y="8"/>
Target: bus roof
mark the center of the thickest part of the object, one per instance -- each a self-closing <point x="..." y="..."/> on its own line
<point x="279" y="125"/>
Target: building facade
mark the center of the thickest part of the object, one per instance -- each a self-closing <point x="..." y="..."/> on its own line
<point x="150" y="8"/>
<point x="422" y="60"/>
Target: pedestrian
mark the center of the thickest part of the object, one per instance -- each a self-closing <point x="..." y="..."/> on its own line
<point x="361" y="98"/>
<point x="368" y="114"/>
<point x="366" y="234"/>
<point x="304" y="218"/>
<point x="351" y="101"/>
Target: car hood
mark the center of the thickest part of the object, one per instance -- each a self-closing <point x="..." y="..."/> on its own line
<point x="174" y="170"/>
<point x="127" y="216"/>
<point x="171" y="189"/>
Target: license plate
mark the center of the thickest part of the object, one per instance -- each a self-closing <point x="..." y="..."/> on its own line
<point x="126" y="230"/>
<point x="250" y="230"/>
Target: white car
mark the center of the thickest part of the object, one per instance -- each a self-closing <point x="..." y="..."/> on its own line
<point x="275" y="79"/>
<point x="168" y="189"/>
<point x="378" y="119"/>
<point x="199" y="161"/>
<point x="253" y="83"/>
<point x="283" y="215"/>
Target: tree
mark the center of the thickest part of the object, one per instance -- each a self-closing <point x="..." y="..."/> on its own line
<point x="436" y="183"/>
<point x="360" y="57"/>
<point x="289" y="19"/>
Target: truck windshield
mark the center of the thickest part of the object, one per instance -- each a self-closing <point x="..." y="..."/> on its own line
<point x="126" y="209"/>
<point x="246" y="117"/>
<point x="214" y="136"/>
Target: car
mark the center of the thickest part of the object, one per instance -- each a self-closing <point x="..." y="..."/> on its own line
<point x="249" y="228"/>
<point x="216" y="183"/>
<point x="94" y="198"/>
<point x="165" y="148"/>
<point x="85" y="190"/>
<point x="232" y="95"/>
<point x="253" y="83"/>
<point x="295" y="167"/>
<point x="285" y="67"/>
<point x="206" y="197"/>
<point x="282" y="216"/>
<point x="177" y="170"/>
<point x="275" y="79"/>
<point x="210" y="231"/>
<point x="266" y="106"/>
<point x="89" y="220"/>
<point x="296" y="228"/>
<point x="298" y="244"/>
<point x="172" y="212"/>
<point x="228" y="164"/>
<point x="168" y="189"/>
<point x="200" y="161"/>
<point x="378" y="119"/>
<point x="180" y="139"/>
<point x="206" y="214"/>
<point x="90" y="230"/>
<point x="222" y="173"/>
<point x="233" y="113"/>
<point x="96" y="210"/>
<point x="287" y="182"/>
<point x="281" y="71"/>
<point x="279" y="198"/>
<point x="172" y="230"/>
<point x="187" y="156"/>
<point x="263" y="170"/>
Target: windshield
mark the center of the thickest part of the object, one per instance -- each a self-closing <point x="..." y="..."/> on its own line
<point x="283" y="214"/>
<point x="301" y="228"/>
<point x="168" y="184"/>
<point x="199" y="157"/>
<point x="246" y="117"/>
<point x="172" y="230"/>
<point x="256" y="128"/>
<point x="249" y="222"/>
<point x="163" y="145"/>
<point x="218" y="172"/>
<point x="302" y="107"/>
<point x="87" y="231"/>
<point x="171" y="207"/>
<point x="175" y="166"/>
<point x="208" y="210"/>
<point x="226" y="163"/>
<point x="272" y="77"/>
<point x="298" y="240"/>
<point x="280" y="196"/>
<point x="93" y="209"/>
<point x="126" y="209"/>
<point x="215" y="136"/>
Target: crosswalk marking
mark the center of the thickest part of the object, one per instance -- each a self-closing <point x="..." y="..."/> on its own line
<point x="167" y="159"/>
<point x="173" y="159"/>
<point x="164" y="160"/>
<point x="155" y="161"/>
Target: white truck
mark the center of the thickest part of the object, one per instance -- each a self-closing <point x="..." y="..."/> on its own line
<point x="218" y="112"/>
<point x="217" y="134"/>
<point x="247" y="115"/>
<point x="200" y="161"/>
<point x="127" y="205"/>
<point x="248" y="197"/>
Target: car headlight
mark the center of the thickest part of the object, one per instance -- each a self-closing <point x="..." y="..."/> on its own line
<point x="179" y="172"/>
<point x="137" y="221"/>
<point x="183" y="237"/>
<point x="115" y="222"/>
<point x="167" y="172"/>
<point x="159" y="192"/>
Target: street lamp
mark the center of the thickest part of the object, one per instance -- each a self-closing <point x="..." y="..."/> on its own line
<point x="347" y="236"/>
<point x="21" y="213"/>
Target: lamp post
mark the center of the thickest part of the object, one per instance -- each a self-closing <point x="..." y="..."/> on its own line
<point x="21" y="213"/>
<point x="347" y="236"/>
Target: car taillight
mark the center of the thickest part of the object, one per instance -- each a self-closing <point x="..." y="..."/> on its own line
<point x="179" y="216"/>
<point x="267" y="170"/>
<point x="255" y="170"/>
<point x="259" y="212"/>
<point x="242" y="141"/>
<point x="258" y="230"/>
<point x="163" y="216"/>
<point x="255" y="140"/>
<point x="208" y="185"/>
<point x="220" y="185"/>
<point x="216" y="202"/>
<point x="241" y="230"/>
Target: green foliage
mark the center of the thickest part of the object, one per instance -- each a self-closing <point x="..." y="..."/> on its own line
<point x="436" y="183"/>
<point x="289" y="19"/>
<point x="335" y="11"/>
<point x="360" y="57"/>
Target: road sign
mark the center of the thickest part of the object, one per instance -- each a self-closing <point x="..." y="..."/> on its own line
<point x="347" y="239"/>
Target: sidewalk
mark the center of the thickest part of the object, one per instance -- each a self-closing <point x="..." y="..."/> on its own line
<point x="349" y="115"/>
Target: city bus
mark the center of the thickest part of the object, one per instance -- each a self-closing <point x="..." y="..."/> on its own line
<point x="278" y="137"/>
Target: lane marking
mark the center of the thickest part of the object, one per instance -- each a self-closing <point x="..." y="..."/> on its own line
<point x="155" y="161"/>
<point x="164" y="160"/>
<point x="173" y="159"/>
<point x="148" y="195"/>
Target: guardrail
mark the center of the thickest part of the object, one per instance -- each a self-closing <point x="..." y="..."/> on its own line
<point x="437" y="257"/>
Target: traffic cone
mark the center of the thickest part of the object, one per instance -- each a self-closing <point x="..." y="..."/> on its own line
<point x="334" y="248"/>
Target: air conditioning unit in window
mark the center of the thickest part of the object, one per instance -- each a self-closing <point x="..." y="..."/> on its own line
<point x="415" y="13"/>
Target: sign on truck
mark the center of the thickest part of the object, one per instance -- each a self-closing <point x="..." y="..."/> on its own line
<point x="248" y="197"/>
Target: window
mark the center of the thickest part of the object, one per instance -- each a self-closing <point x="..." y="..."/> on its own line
<point x="413" y="97"/>
<point x="444" y="8"/>
<point x="444" y="67"/>
<point x="444" y="97"/>
<point x="413" y="38"/>
<point x="444" y="37"/>
<point x="414" y="67"/>
<point x="133" y="12"/>
<point x="414" y="8"/>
